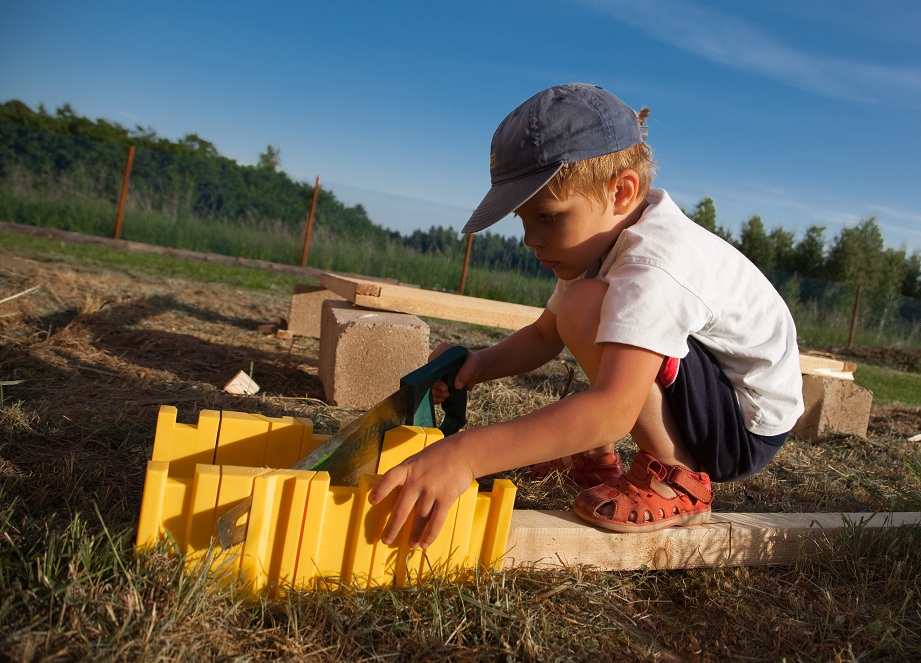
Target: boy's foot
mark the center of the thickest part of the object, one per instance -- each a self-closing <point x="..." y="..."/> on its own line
<point x="584" y="470"/>
<point x="640" y="501"/>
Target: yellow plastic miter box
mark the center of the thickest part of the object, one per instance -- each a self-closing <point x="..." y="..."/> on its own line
<point x="301" y="531"/>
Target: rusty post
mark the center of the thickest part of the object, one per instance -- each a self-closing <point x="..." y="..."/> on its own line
<point x="313" y="210"/>
<point x="850" y="336"/>
<point x="466" y="263"/>
<point x="124" y="193"/>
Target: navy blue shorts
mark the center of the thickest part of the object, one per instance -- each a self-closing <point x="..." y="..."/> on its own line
<point x="707" y="412"/>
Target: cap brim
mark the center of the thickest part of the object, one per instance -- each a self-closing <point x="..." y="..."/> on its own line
<point x="504" y="198"/>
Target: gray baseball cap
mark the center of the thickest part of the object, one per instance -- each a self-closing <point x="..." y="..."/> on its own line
<point x="560" y="125"/>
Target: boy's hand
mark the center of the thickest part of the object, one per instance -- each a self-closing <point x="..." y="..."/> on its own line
<point x="430" y="482"/>
<point x="467" y="375"/>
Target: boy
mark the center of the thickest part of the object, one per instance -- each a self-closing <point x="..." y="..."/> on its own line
<point x="685" y="344"/>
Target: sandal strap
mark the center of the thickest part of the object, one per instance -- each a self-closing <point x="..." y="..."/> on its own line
<point x="690" y="482"/>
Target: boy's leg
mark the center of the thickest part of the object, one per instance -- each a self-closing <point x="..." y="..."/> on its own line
<point x="655" y="431"/>
<point x="664" y="486"/>
<point x="657" y="434"/>
<point x="707" y="412"/>
<point x="600" y="464"/>
<point x="577" y="322"/>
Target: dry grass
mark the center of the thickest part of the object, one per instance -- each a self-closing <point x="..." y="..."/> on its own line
<point x="94" y="353"/>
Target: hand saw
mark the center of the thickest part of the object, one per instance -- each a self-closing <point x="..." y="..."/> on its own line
<point x="356" y="448"/>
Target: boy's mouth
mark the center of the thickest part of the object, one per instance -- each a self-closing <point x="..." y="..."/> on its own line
<point x="550" y="264"/>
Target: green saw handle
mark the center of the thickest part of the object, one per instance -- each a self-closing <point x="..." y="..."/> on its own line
<point x="444" y="367"/>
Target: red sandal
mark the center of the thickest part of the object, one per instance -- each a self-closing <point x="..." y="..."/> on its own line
<point x="584" y="470"/>
<point x="632" y="504"/>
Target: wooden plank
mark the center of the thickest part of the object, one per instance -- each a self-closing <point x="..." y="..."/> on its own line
<point x="826" y="366"/>
<point x="491" y="313"/>
<point x="554" y="539"/>
<point x="442" y="305"/>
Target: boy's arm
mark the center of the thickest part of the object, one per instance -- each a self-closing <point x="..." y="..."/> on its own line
<point x="528" y="348"/>
<point x="432" y="480"/>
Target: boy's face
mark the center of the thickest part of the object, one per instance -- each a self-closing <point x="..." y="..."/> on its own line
<point x="568" y="236"/>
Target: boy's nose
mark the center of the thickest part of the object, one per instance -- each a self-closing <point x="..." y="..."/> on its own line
<point x="532" y="238"/>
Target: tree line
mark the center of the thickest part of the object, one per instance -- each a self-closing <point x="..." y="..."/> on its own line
<point x="188" y="176"/>
<point x="857" y="255"/>
<point x="182" y="178"/>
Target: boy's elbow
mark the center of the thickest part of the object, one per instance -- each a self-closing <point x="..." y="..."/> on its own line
<point x="545" y="327"/>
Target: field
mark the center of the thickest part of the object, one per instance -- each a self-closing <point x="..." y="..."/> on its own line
<point x="104" y="339"/>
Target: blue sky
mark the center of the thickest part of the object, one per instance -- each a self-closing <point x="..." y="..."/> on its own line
<point x="804" y="112"/>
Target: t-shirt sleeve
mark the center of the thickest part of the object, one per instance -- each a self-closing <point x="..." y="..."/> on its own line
<point x="647" y="307"/>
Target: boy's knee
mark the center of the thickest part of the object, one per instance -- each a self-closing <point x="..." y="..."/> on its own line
<point x="579" y="310"/>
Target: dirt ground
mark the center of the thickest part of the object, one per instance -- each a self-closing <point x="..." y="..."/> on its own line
<point x="94" y="352"/>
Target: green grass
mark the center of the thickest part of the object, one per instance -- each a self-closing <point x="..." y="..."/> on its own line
<point x="890" y="385"/>
<point x="74" y="590"/>
<point x="283" y="245"/>
<point x="41" y="248"/>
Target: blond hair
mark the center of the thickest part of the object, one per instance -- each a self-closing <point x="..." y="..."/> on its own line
<point x="592" y="177"/>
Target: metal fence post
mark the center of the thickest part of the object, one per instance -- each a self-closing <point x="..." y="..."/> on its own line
<point x="313" y="209"/>
<point x="850" y="336"/>
<point x="124" y="193"/>
<point x="466" y="263"/>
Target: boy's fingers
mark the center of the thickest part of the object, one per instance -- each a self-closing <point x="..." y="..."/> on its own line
<point x="386" y="485"/>
<point x="433" y="525"/>
<point x="406" y="503"/>
<point x="401" y="512"/>
<point x="466" y="374"/>
<point x="424" y="508"/>
<point x="439" y="350"/>
<point x="440" y="392"/>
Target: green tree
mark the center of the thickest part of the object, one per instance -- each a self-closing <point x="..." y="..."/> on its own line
<point x="782" y="247"/>
<point x="911" y="285"/>
<point x="808" y="256"/>
<point x="704" y="214"/>
<point x="858" y="256"/>
<point x="195" y="146"/>
<point x="755" y="244"/>
<point x="270" y="160"/>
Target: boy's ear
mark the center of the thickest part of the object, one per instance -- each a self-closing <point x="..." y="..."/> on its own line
<point x="623" y="190"/>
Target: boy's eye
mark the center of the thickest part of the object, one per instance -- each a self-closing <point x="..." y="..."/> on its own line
<point x="547" y="218"/>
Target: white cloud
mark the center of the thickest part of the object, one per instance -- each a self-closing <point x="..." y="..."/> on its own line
<point x="741" y="44"/>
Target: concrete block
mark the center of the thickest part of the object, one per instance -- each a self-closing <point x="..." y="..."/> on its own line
<point x="305" y="313"/>
<point x="833" y="405"/>
<point x="364" y="353"/>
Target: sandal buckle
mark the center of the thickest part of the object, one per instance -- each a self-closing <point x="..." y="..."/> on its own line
<point x="657" y="469"/>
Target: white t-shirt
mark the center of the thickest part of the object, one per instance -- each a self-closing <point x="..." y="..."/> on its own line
<point x="669" y="278"/>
